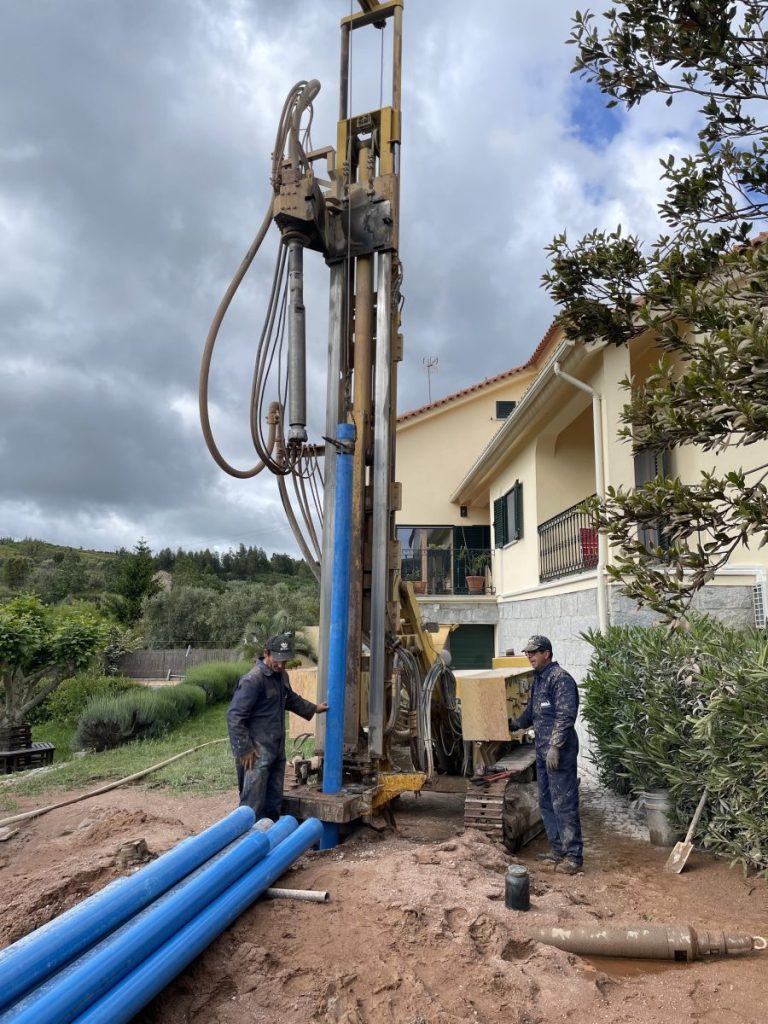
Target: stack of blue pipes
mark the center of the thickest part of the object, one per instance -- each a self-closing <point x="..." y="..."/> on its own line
<point x="104" y="959"/>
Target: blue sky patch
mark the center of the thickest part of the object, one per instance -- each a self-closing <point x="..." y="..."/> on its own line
<point x="591" y="122"/>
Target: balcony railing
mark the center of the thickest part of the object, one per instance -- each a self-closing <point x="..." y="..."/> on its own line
<point x="438" y="571"/>
<point x="567" y="544"/>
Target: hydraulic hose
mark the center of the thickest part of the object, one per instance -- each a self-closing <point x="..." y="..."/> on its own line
<point x="65" y="995"/>
<point x="210" y="342"/>
<point x="124" y="1001"/>
<point x="36" y="956"/>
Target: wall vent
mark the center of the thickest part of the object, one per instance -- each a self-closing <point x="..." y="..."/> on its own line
<point x="758" y="598"/>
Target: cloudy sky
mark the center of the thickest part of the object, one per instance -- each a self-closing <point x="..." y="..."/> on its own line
<point x="135" y="141"/>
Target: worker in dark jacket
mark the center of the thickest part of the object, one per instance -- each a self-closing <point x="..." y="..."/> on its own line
<point x="552" y="711"/>
<point x="256" y="724"/>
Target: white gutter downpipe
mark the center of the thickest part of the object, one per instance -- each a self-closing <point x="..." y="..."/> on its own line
<point x="602" y="540"/>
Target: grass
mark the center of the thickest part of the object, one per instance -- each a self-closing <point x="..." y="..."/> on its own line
<point x="206" y="771"/>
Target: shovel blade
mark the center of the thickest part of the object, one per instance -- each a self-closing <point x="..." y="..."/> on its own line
<point x="677" y="859"/>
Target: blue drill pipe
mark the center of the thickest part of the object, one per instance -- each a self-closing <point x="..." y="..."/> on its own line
<point x="339" y="624"/>
<point x="27" y="962"/>
<point x="125" y="1000"/>
<point x="74" y="988"/>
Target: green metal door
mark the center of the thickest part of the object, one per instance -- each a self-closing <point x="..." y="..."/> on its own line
<point x="472" y="647"/>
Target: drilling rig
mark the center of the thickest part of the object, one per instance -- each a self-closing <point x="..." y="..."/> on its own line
<point x="384" y="675"/>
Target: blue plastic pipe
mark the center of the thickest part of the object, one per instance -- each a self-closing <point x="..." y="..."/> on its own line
<point x="32" y="959"/>
<point x="339" y="625"/>
<point x="125" y="1000"/>
<point x="73" y="989"/>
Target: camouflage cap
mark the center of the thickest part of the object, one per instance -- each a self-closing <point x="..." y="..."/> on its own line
<point x="537" y="642"/>
<point x="280" y="647"/>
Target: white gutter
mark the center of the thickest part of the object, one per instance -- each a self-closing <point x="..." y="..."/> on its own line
<point x="498" y="442"/>
<point x="602" y="540"/>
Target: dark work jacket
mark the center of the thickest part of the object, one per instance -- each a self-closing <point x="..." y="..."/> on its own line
<point x="552" y="709"/>
<point x="256" y="714"/>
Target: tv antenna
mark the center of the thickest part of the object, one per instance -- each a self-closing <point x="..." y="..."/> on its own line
<point x="430" y="362"/>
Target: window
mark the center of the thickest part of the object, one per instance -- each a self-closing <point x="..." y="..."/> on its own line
<point x="649" y="465"/>
<point x="508" y="516"/>
<point x="503" y="409"/>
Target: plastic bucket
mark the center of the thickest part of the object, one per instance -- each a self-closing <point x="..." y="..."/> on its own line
<point x="657" y="809"/>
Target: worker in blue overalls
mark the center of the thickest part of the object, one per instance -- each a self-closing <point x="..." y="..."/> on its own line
<point x="552" y="711"/>
<point x="256" y="724"/>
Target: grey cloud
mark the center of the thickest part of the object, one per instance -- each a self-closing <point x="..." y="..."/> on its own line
<point x="135" y="142"/>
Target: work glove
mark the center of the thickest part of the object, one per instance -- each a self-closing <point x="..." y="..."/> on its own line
<point x="553" y="758"/>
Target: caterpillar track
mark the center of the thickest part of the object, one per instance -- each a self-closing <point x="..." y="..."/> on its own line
<point x="507" y="808"/>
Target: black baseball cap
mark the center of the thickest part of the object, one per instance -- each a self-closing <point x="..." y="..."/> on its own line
<point x="280" y="647"/>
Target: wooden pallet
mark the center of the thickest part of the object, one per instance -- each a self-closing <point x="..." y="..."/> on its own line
<point x="15" y="737"/>
<point x="36" y="756"/>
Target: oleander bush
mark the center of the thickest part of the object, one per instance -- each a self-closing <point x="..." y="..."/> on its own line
<point x="681" y="711"/>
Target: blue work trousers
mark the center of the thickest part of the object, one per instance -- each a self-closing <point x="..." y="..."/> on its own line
<point x="559" y="804"/>
<point x="261" y="788"/>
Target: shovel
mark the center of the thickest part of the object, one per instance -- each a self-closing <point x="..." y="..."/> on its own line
<point x="682" y="851"/>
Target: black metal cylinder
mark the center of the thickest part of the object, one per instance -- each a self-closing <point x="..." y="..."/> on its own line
<point x="517" y="890"/>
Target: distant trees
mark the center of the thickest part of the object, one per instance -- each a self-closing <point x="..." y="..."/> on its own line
<point x="134" y="582"/>
<point x="241" y="612"/>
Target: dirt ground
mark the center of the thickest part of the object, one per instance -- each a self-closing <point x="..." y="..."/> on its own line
<point x="416" y="931"/>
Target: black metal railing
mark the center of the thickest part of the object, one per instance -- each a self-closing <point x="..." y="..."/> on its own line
<point x="567" y="544"/>
<point x="438" y="570"/>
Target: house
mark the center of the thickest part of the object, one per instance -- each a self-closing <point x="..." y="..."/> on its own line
<point x="516" y="483"/>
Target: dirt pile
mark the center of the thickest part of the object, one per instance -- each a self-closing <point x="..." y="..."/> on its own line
<point x="417" y="931"/>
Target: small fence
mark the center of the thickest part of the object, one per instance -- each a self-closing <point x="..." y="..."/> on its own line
<point x="567" y="544"/>
<point x="172" y="662"/>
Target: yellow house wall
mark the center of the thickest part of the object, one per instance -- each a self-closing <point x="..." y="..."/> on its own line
<point x="565" y="466"/>
<point x="517" y="564"/>
<point x="688" y="462"/>
<point x="435" y="450"/>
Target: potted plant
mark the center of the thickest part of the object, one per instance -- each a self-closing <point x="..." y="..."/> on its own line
<point x="476" y="567"/>
<point x="414" y="578"/>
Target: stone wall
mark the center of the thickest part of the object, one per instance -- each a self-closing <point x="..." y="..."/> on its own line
<point x="469" y="611"/>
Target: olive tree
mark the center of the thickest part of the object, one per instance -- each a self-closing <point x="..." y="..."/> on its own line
<point x="40" y="647"/>
<point x="701" y="287"/>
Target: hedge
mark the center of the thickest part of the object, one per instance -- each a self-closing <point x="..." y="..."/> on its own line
<point x="70" y="698"/>
<point x="683" y="711"/>
<point x="145" y="714"/>
<point x="217" y="678"/>
<point x="141" y="713"/>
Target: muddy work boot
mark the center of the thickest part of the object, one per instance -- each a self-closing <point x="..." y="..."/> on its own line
<point x="549" y="858"/>
<point x="569" y="867"/>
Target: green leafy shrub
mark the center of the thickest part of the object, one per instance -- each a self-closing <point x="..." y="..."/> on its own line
<point x="192" y="699"/>
<point x="683" y="711"/>
<point x="67" y="702"/>
<point x="217" y="678"/>
<point x="142" y="714"/>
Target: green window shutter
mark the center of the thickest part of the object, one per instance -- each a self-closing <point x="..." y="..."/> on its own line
<point x="517" y="503"/>
<point x="503" y="409"/>
<point x="500" y="537"/>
